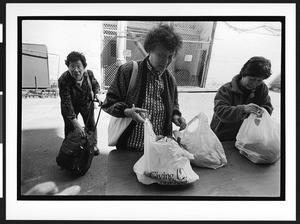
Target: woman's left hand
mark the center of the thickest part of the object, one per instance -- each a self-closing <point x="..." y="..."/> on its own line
<point x="136" y="113"/>
<point x="179" y="121"/>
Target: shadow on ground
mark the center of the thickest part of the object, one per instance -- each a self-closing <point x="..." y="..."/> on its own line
<point x="39" y="148"/>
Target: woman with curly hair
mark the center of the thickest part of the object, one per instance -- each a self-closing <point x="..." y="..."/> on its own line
<point x="154" y="92"/>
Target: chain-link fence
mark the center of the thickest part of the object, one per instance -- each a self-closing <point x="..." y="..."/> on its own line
<point x="189" y="67"/>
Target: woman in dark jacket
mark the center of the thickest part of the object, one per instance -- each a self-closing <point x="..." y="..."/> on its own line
<point x="154" y="92"/>
<point x="77" y="88"/>
<point x="245" y="94"/>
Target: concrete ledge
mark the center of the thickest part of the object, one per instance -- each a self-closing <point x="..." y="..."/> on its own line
<point x="195" y="89"/>
<point x="185" y="89"/>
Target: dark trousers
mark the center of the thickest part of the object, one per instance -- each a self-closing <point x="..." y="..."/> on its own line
<point x="89" y="121"/>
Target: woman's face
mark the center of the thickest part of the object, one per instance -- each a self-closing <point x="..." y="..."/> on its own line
<point x="250" y="83"/>
<point x="160" y="58"/>
<point x="76" y="69"/>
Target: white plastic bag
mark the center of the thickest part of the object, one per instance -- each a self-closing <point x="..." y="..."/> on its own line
<point x="202" y="142"/>
<point x="259" y="138"/>
<point x="164" y="161"/>
<point x="116" y="127"/>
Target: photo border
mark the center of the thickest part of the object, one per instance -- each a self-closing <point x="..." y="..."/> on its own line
<point x="130" y="202"/>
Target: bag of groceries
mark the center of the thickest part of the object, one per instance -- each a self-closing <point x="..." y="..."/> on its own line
<point x="258" y="138"/>
<point x="164" y="161"/>
<point x="198" y="139"/>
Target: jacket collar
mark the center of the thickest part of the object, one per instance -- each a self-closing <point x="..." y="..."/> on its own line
<point x="234" y="84"/>
<point x="151" y="69"/>
<point x="235" y="87"/>
<point x="74" y="82"/>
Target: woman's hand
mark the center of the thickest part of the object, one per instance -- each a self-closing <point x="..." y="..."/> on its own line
<point x="50" y="188"/>
<point x="253" y="108"/>
<point x="99" y="98"/>
<point x="78" y="128"/>
<point x="136" y="114"/>
<point x="80" y="131"/>
<point x="179" y="121"/>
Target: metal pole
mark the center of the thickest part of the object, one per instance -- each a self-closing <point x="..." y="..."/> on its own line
<point x="121" y="42"/>
<point x="35" y="83"/>
<point x="208" y="56"/>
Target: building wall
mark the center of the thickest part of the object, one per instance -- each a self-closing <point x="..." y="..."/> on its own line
<point x="35" y="72"/>
<point x="61" y="37"/>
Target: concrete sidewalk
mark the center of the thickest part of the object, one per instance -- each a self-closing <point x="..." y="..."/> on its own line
<point x="42" y="135"/>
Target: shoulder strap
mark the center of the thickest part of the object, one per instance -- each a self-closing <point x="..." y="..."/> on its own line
<point x="133" y="77"/>
<point x="90" y="85"/>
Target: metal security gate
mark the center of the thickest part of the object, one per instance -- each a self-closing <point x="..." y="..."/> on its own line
<point x="189" y="67"/>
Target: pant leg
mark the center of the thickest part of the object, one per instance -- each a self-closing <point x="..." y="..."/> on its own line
<point x="89" y="120"/>
<point x="68" y="125"/>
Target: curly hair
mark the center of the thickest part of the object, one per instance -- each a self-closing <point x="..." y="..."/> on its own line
<point x="163" y="35"/>
<point x="259" y="67"/>
<point x="76" y="56"/>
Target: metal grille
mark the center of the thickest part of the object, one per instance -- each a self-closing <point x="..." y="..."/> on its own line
<point x="188" y="68"/>
<point x="109" y="52"/>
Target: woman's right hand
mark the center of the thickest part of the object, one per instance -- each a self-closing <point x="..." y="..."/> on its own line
<point x="136" y="114"/>
<point x="252" y="108"/>
<point x="78" y="128"/>
<point x="80" y="131"/>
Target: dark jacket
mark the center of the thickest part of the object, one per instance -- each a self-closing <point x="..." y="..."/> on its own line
<point x="115" y="104"/>
<point x="229" y="108"/>
<point x="73" y="97"/>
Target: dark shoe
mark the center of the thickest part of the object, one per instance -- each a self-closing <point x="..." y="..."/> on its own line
<point x="96" y="151"/>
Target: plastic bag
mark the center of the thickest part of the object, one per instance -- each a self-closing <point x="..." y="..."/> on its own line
<point x="202" y="142"/>
<point x="164" y="161"/>
<point x="258" y="138"/>
<point x="116" y="127"/>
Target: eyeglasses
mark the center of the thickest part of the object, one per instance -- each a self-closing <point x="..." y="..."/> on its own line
<point x="73" y="68"/>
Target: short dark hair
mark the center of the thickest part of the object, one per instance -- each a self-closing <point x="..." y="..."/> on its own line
<point x="163" y="35"/>
<point x="259" y="67"/>
<point x="76" y="56"/>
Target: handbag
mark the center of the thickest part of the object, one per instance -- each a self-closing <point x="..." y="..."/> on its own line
<point x="117" y="125"/>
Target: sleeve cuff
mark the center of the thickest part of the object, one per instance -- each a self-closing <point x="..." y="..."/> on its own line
<point x="122" y="109"/>
<point x="176" y="112"/>
<point x="71" y="117"/>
